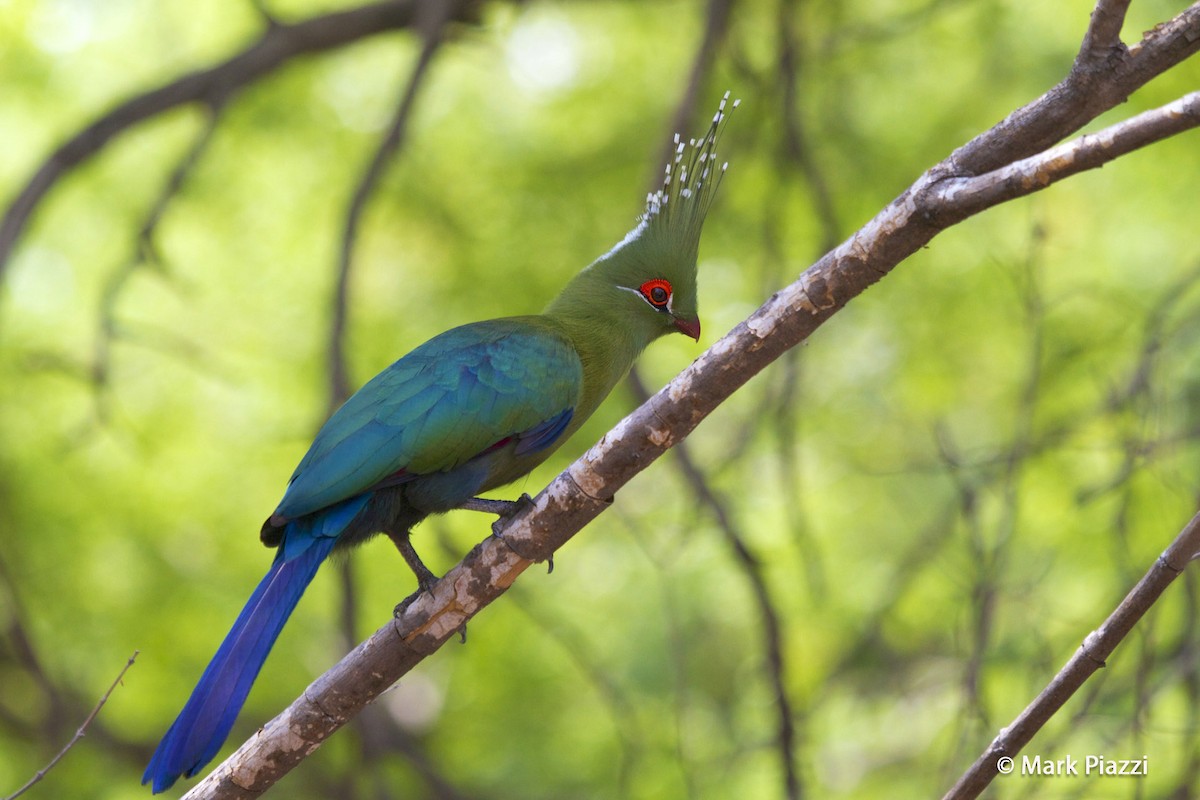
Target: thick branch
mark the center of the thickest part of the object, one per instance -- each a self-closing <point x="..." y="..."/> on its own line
<point x="1089" y="90"/>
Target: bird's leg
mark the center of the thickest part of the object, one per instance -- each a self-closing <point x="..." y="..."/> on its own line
<point x="505" y="510"/>
<point x="425" y="577"/>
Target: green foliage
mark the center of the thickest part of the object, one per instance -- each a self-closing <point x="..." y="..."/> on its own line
<point x="947" y="488"/>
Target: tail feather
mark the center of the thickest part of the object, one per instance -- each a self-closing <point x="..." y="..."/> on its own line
<point x="207" y="717"/>
<point x="200" y="730"/>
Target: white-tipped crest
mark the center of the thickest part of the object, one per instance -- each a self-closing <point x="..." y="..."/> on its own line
<point x="689" y="184"/>
<point x="677" y="210"/>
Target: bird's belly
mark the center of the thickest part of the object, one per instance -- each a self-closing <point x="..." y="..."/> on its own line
<point x="397" y="508"/>
<point x="442" y="491"/>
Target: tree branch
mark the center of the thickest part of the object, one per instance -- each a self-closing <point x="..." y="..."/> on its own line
<point x="279" y="44"/>
<point x="937" y="200"/>
<point x="1090" y="151"/>
<point x="1090" y="657"/>
<point x="1089" y="90"/>
<point x="1103" y="36"/>
<point x="431" y="19"/>
<point x="79" y="732"/>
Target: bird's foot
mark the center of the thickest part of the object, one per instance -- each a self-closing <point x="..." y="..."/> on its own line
<point x="425" y="583"/>
<point x="425" y="577"/>
<point x="504" y="511"/>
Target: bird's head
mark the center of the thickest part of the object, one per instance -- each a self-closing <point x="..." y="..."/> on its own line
<point x="650" y="276"/>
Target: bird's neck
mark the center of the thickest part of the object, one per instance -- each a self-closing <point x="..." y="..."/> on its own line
<point x="607" y="340"/>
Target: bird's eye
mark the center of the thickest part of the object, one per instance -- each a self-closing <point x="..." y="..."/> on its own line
<point x="657" y="292"/>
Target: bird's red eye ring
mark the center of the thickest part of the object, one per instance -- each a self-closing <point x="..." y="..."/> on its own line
<point x="657" y="292"/>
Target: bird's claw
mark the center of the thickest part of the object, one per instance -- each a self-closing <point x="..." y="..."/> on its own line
<point x="425" y="584"/>
<point x="426" y="580"/>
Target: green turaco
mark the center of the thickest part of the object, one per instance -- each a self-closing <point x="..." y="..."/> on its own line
<point x="470" y="410"/>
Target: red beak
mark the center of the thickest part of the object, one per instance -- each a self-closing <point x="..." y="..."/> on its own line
<point x="691" y="327"/>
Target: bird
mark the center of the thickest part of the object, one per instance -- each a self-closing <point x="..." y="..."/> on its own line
<point x="470" y="410"/>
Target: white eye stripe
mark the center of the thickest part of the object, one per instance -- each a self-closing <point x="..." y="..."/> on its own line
<point x="667" y="308"/>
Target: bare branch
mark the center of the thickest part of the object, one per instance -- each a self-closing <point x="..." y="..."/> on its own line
<point x="79" y="733"/>
<point x="432" y="19"/>
<point x="1078" y="155"/>
<point x="279" y="44"/>
<point x="1088" y="91"/>
<point x="1103" y="36"/>
<point x="1090" y="657"/>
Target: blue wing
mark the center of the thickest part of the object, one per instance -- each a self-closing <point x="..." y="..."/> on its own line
<point x="448" y="401"/>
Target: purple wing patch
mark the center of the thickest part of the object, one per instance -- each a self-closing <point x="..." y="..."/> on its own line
<point x="543" y="434"/>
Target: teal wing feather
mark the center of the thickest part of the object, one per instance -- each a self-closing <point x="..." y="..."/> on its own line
<point x="447" y="401"/>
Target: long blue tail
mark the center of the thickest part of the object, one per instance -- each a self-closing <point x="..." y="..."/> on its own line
<point x="201" y="727"/>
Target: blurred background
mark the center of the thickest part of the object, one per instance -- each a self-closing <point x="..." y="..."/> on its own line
<point x="866" y="562"/>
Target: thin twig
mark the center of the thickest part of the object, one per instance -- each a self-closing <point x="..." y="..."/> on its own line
<point x="1091" y="656"/>
<point x="79" y="733"/>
